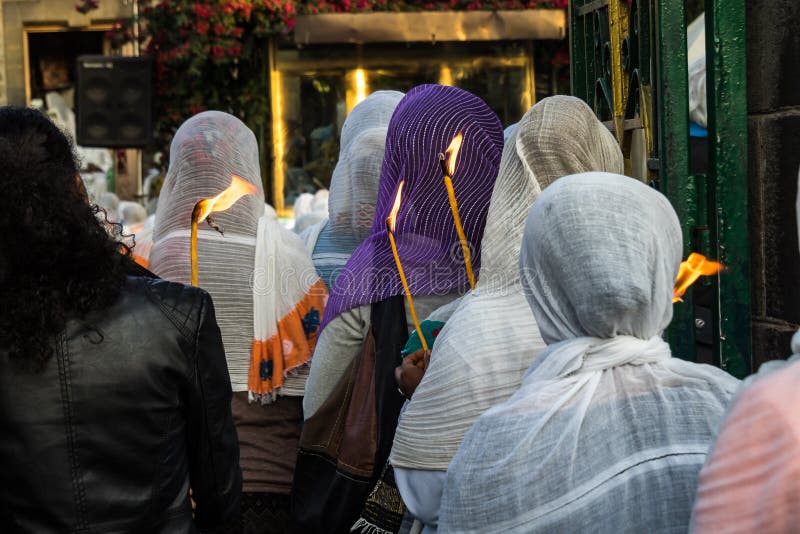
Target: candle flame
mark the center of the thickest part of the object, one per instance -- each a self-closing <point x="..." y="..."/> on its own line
<point x="452" y="153"/>
<point x="695" y="266"/>
<point x="227" y="198"/>
<point x="207" y="206"/>
<point x="391" y="220"/>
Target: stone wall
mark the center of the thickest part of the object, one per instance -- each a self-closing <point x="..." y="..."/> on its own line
<point x="773" y="62"/>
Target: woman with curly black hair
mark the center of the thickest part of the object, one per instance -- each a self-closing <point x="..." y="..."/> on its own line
<point x="114" y="391"/>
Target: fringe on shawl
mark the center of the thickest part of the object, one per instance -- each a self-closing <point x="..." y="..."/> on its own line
<point x="293" y="344"/>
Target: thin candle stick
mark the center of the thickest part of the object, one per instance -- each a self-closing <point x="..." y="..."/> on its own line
<point x="193" y="245"/>
<point x="448" y="164"/>
<point x="408" y="293"/>
<point x="460" y="230"/>
<point x="193" y="252"/>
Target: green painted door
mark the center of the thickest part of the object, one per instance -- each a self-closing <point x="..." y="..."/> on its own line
<point x="629" y="63"/>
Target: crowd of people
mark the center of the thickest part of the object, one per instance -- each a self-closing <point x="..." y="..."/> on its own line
<point x="470" y="341"/>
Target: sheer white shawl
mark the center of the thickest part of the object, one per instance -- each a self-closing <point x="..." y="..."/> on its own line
<point x="257" y="271"/>
<point x="607" y="432"/>
<point x="206" y="150"/>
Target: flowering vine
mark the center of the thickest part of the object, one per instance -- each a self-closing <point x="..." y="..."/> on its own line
<point x="208" y="55"/>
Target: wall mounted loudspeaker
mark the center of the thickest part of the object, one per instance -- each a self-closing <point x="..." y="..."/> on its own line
<point x="114" y="100"/>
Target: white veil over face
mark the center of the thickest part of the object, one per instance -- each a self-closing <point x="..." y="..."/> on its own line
<point x="354" y="185"/>
<point x="558" y="136"/>
<point x="206" y="151"/>
<point x="607" y="432"/>
<point x="484" y="349"/>
<point x="374" y="112"/>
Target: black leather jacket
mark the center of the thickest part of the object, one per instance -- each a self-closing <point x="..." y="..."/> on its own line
<point x="132" y="410"/>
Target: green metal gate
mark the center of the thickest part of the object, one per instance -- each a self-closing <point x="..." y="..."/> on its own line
<point x="629" y="63"/>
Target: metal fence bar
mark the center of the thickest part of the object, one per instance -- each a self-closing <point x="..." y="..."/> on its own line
<point x="672" y="99"/>
<point x="726" y="83"/>
<point x="577" y="50"/>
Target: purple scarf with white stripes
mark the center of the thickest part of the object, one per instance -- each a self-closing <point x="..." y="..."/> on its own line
<point x="422" y="126"/>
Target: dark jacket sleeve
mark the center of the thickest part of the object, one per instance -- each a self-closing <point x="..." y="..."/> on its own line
<point x="216" y="478"/>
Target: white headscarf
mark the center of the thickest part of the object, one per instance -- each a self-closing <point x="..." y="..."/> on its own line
<point x="488" y="343"/>
<point x="303" y="205"/>
<point x="206" y="151"/>
<point x="131" y="214"/>
<point x="607" y="432"/>
<point x="109" y="202"/>
<point x="354" y="185"/>
<point x="314" y="213"/>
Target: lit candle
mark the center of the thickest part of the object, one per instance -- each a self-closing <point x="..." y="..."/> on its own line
<point x="448" y="164"/>
<point x="695" y="266"/>
<point x="390" y="227"/>
<point x="205" y="207"/>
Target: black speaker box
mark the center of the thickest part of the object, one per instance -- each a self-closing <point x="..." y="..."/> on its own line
<point x="113" y="101"/>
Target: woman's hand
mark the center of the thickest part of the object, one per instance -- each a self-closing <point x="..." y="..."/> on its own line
<point x="409" y="373"/>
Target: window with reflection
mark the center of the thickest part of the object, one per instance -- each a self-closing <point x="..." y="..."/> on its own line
<point x="318" y="85"/>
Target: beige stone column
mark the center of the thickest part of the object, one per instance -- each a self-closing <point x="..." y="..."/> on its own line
<point x="3" y="95"/>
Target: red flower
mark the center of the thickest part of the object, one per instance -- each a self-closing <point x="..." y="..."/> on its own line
<point x="202" y="11"/>
<point x="561" y="4"/>
<point x="219" y="29"/>
<point x="237" y="32"/>
<point x="244" y="7"/>
<point x="202" y="27"/>
<point x="217" y="52"/>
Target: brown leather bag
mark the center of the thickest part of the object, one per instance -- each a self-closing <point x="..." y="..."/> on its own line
<point x="344" y="446"/>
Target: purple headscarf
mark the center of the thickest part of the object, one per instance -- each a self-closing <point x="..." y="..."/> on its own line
<point x="422" y="126"/>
